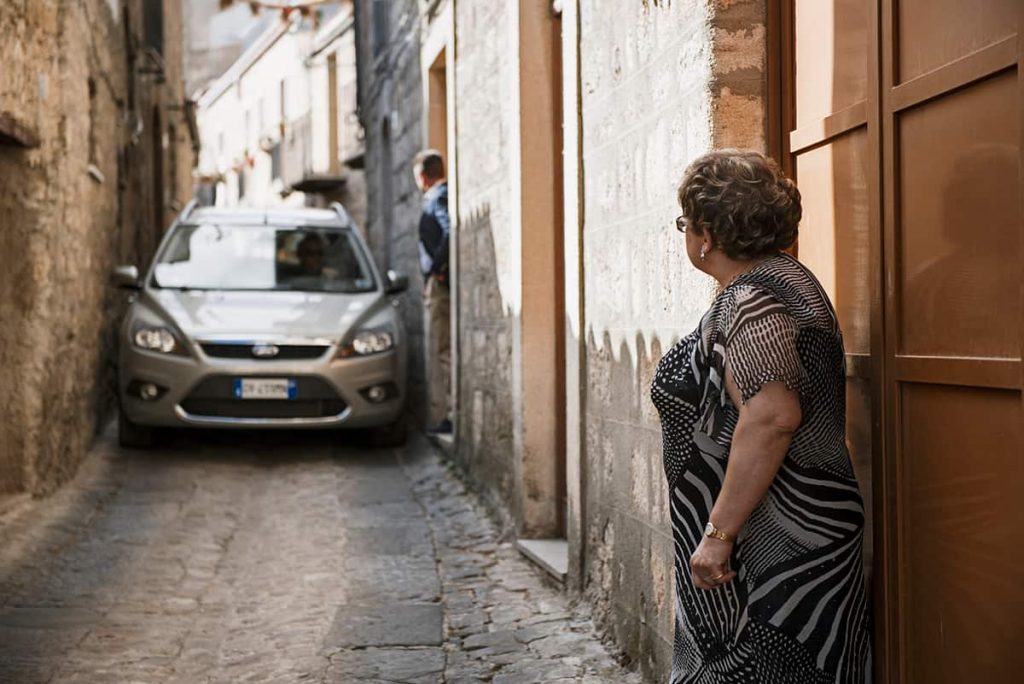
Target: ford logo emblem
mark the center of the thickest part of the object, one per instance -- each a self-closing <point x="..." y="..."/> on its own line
<point x="265" y="351"/>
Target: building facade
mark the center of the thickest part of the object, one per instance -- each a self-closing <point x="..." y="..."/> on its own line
<point x="566" y="128"/>
<point x="279" y="125"/>
<point x="216" y="34"/>
<point x="96" y="151"/>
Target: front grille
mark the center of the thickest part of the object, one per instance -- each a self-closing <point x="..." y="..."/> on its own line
<point x="263" y="408"/>
<point x="214" y="397"/>
<point x="285" y="352"/>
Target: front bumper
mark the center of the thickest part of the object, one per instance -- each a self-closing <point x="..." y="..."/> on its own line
<point x="193" y="388"/>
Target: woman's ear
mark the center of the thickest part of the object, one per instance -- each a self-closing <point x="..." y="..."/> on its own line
<point x="706" y="245"/>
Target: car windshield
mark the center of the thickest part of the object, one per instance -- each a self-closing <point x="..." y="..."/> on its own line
<point x="230" y="257"/>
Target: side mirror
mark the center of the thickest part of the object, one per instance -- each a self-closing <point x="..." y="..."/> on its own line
<point x="126" y="278"/>
<point x="396" y="284"/>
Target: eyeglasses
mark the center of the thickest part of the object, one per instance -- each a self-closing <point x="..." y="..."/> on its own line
<point x="681" y="224"/>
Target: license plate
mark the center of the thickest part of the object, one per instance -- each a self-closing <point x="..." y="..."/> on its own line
<point x="264" y="388"/>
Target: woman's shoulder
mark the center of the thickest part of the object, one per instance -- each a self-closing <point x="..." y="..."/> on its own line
<point x="785" y="283"/>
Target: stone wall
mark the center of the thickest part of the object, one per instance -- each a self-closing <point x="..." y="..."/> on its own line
<point x="391" y="112"/>
<point x="71" y="207"/>
<point x="661" y="83"/>
<point x="486" y="80"/>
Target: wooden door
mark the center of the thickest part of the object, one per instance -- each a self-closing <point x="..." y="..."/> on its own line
<point x="954" y="420"/>
<point x="901" y="121"/>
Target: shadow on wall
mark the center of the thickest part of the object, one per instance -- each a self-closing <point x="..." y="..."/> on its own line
<point x="628" y="564"/>
<point x="628" y="567"/>
<point x="486" y="328"/>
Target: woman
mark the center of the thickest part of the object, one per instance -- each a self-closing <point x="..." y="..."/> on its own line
<point x="766" y="514"/>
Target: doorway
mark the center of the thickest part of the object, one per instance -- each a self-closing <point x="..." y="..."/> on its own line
<point x="436" y="126"/>
<point x="543" y="481"/>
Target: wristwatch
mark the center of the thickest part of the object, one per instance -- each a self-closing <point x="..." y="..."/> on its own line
<point x="711" y="531"/>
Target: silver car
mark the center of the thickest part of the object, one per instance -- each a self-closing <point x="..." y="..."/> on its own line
<point x="262" y="319"/>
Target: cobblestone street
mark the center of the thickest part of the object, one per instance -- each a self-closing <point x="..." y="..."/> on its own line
<point x="276" y="558"/>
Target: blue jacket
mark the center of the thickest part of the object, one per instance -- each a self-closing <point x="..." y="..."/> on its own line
<point x="435" y="227"/>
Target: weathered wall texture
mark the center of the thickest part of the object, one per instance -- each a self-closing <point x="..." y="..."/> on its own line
<point x="486" y="81"/>
<point x="391" y="113"/>
<point x="70" y="208"/>
<point x="661" y="84"/>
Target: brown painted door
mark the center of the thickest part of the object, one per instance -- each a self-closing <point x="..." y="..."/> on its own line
<point x="903" y="122"/>
<point x="951" y="148"/>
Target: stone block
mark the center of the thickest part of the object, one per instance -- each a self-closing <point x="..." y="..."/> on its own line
<point x="383" y="624"/>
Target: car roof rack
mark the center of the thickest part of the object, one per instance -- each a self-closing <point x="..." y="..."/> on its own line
<point x="342" y="214"/>
<point x="189" y="208"/>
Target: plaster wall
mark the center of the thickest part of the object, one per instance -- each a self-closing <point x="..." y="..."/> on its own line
<point x="661" y="84"/>
<point x="489" y="247"/>
<point x="244" y="106"/>
<point x="328" y="159"/>
<point x="278" y="93"/>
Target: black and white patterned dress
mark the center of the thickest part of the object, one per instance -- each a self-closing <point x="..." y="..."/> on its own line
<point x="796" y="612"/>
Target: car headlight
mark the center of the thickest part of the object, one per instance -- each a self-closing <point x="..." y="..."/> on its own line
<point x="367" y="342"/>
<point x="158" y="339"/>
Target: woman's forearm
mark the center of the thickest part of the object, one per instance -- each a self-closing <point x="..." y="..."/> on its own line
<point x="756" y="454"/>
<point x="760" y="441"/>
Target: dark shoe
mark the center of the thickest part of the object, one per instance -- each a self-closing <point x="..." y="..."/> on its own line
<point x="442" y="428"/>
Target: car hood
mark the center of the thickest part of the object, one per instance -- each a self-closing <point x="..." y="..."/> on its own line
<point x="265" y="315"/>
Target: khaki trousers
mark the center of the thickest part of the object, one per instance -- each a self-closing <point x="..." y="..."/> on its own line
<point x="437" y="307"/>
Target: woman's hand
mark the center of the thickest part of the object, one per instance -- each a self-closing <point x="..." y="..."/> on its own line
<point x="709" y="564"/>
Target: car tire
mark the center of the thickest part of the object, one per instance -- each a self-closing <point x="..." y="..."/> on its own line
<point x="389" y="436"/>
<point x="133" y="436"/>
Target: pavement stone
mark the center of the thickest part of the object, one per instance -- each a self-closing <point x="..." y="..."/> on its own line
<point x="278" y="557"/>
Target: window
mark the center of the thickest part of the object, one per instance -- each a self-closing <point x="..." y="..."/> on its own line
<point x="153" y="25"/>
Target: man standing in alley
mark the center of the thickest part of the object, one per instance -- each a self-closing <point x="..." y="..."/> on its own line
<point x="435" y="225"/>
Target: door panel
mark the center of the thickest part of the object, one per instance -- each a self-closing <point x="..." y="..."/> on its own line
<point x="859" y="442"/>
<point x="959" y="239"/>
<point x="828" y="156"/>
<point x="834" y="231"/>
<point x="933" y="33"/>
<point x="830" y="55"/>
<point x="961" y="485"/>
<point x="953" y="426"/>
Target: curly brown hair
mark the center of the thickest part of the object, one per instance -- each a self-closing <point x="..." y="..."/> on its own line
<point x="744" y="200"/>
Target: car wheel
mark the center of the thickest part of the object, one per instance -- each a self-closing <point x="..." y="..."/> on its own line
<point x="389" y="436"/>
<point x="131" y="435"/>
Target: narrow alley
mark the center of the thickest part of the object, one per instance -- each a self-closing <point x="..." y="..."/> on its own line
<point x="511" y="341"/>
<point x="276" y="558"/>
